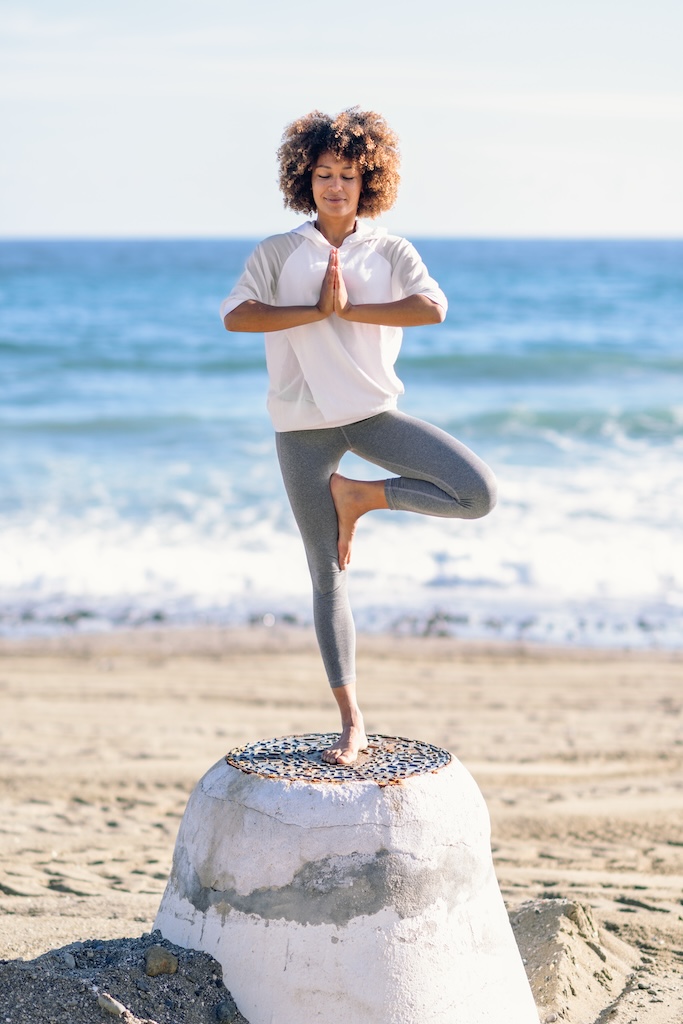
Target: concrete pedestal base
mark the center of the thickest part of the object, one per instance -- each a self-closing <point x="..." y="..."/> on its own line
<point x="365" y="896"/>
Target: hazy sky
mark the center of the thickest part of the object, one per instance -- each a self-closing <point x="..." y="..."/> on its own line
<point x="516" y="117"/>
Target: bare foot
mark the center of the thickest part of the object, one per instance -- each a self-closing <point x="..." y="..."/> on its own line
<point x="348" y="746"/>
<point x="352" y="499"/>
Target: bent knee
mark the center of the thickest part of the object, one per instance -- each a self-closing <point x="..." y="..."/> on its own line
<point x="483" y="500"/>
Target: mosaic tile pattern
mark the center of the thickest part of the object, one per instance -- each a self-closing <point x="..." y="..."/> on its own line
<point x="388" y="759"/>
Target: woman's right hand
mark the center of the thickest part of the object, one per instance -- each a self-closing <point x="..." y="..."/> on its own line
<point x="252" y="315"/>
<point x="326" y="301"/>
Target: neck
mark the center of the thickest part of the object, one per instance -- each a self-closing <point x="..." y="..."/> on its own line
<point x="335" y="231"/>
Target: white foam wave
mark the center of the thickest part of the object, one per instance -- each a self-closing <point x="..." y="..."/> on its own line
<point x="585" y="553"/>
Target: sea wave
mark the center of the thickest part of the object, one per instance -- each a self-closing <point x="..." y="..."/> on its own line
<point x="139" y="483"/>
<point x="558" y="560"/>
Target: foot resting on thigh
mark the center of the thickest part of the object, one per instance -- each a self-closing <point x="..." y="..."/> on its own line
<point x="352" y="499"/>
<point x="348" y="746"/>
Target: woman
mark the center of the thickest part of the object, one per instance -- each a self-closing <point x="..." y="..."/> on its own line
<point x="331" y="297"/>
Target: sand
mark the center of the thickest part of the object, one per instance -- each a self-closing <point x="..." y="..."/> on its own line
<point x="579" y="755"/>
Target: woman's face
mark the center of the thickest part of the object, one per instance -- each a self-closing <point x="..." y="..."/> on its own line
<point x="337" y="185"/>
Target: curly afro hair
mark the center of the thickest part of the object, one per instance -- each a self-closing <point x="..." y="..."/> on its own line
<point x="361" y="136"/>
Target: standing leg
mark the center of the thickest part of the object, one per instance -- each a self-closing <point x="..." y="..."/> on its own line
<point x="352" y="738"/>
<point x="308" y="458"/>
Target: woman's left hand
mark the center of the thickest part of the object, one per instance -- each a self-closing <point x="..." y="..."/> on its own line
<point x="342" y="306"/>
<point x="411" y="311"/>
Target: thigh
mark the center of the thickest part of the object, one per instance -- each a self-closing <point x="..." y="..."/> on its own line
<point x="308" y="458"/>
<point x="412" y="448"/>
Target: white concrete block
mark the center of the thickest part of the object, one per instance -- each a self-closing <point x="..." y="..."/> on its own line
<point x="348" y="900"/>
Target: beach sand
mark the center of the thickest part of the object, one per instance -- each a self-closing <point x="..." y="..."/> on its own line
<point x="579" y="755"/>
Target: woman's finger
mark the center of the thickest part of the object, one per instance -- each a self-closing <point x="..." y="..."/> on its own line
<point x="341" y="296"/>
<point x="327" y="290"/>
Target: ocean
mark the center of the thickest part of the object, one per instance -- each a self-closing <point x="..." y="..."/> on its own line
<point x="139" y="483"/>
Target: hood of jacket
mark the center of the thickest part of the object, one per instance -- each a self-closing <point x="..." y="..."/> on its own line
<point x="364" y="229"/>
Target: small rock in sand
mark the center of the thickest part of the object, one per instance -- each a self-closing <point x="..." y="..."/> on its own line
<point x="226" y="1011"/>
<point x="110" y="1004"/>
<point x="160" y="961"/>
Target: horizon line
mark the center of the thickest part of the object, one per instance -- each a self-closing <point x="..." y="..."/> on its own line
<point x="427" y="237"/>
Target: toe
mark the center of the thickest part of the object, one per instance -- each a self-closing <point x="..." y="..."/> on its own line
<point x="346" y="759"/>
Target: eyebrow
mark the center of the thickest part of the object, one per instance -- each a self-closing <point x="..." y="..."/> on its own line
<point x="345" y="167"/>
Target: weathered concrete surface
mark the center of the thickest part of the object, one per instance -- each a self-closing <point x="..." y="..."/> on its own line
<point x="367" y="903"/>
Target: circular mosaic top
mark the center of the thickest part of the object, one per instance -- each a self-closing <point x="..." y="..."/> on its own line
<point x="386" y="760"/>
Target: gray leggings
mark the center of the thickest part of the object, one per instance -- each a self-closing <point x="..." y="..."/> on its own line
<point x="437" y="476"/>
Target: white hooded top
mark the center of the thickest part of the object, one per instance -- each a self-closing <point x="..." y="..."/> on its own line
<point x="332" y="372"/>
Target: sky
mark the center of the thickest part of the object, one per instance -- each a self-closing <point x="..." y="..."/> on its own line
<point x="517" y="118"/>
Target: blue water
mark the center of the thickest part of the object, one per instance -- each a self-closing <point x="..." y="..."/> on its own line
<point x="138" y="481"/>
